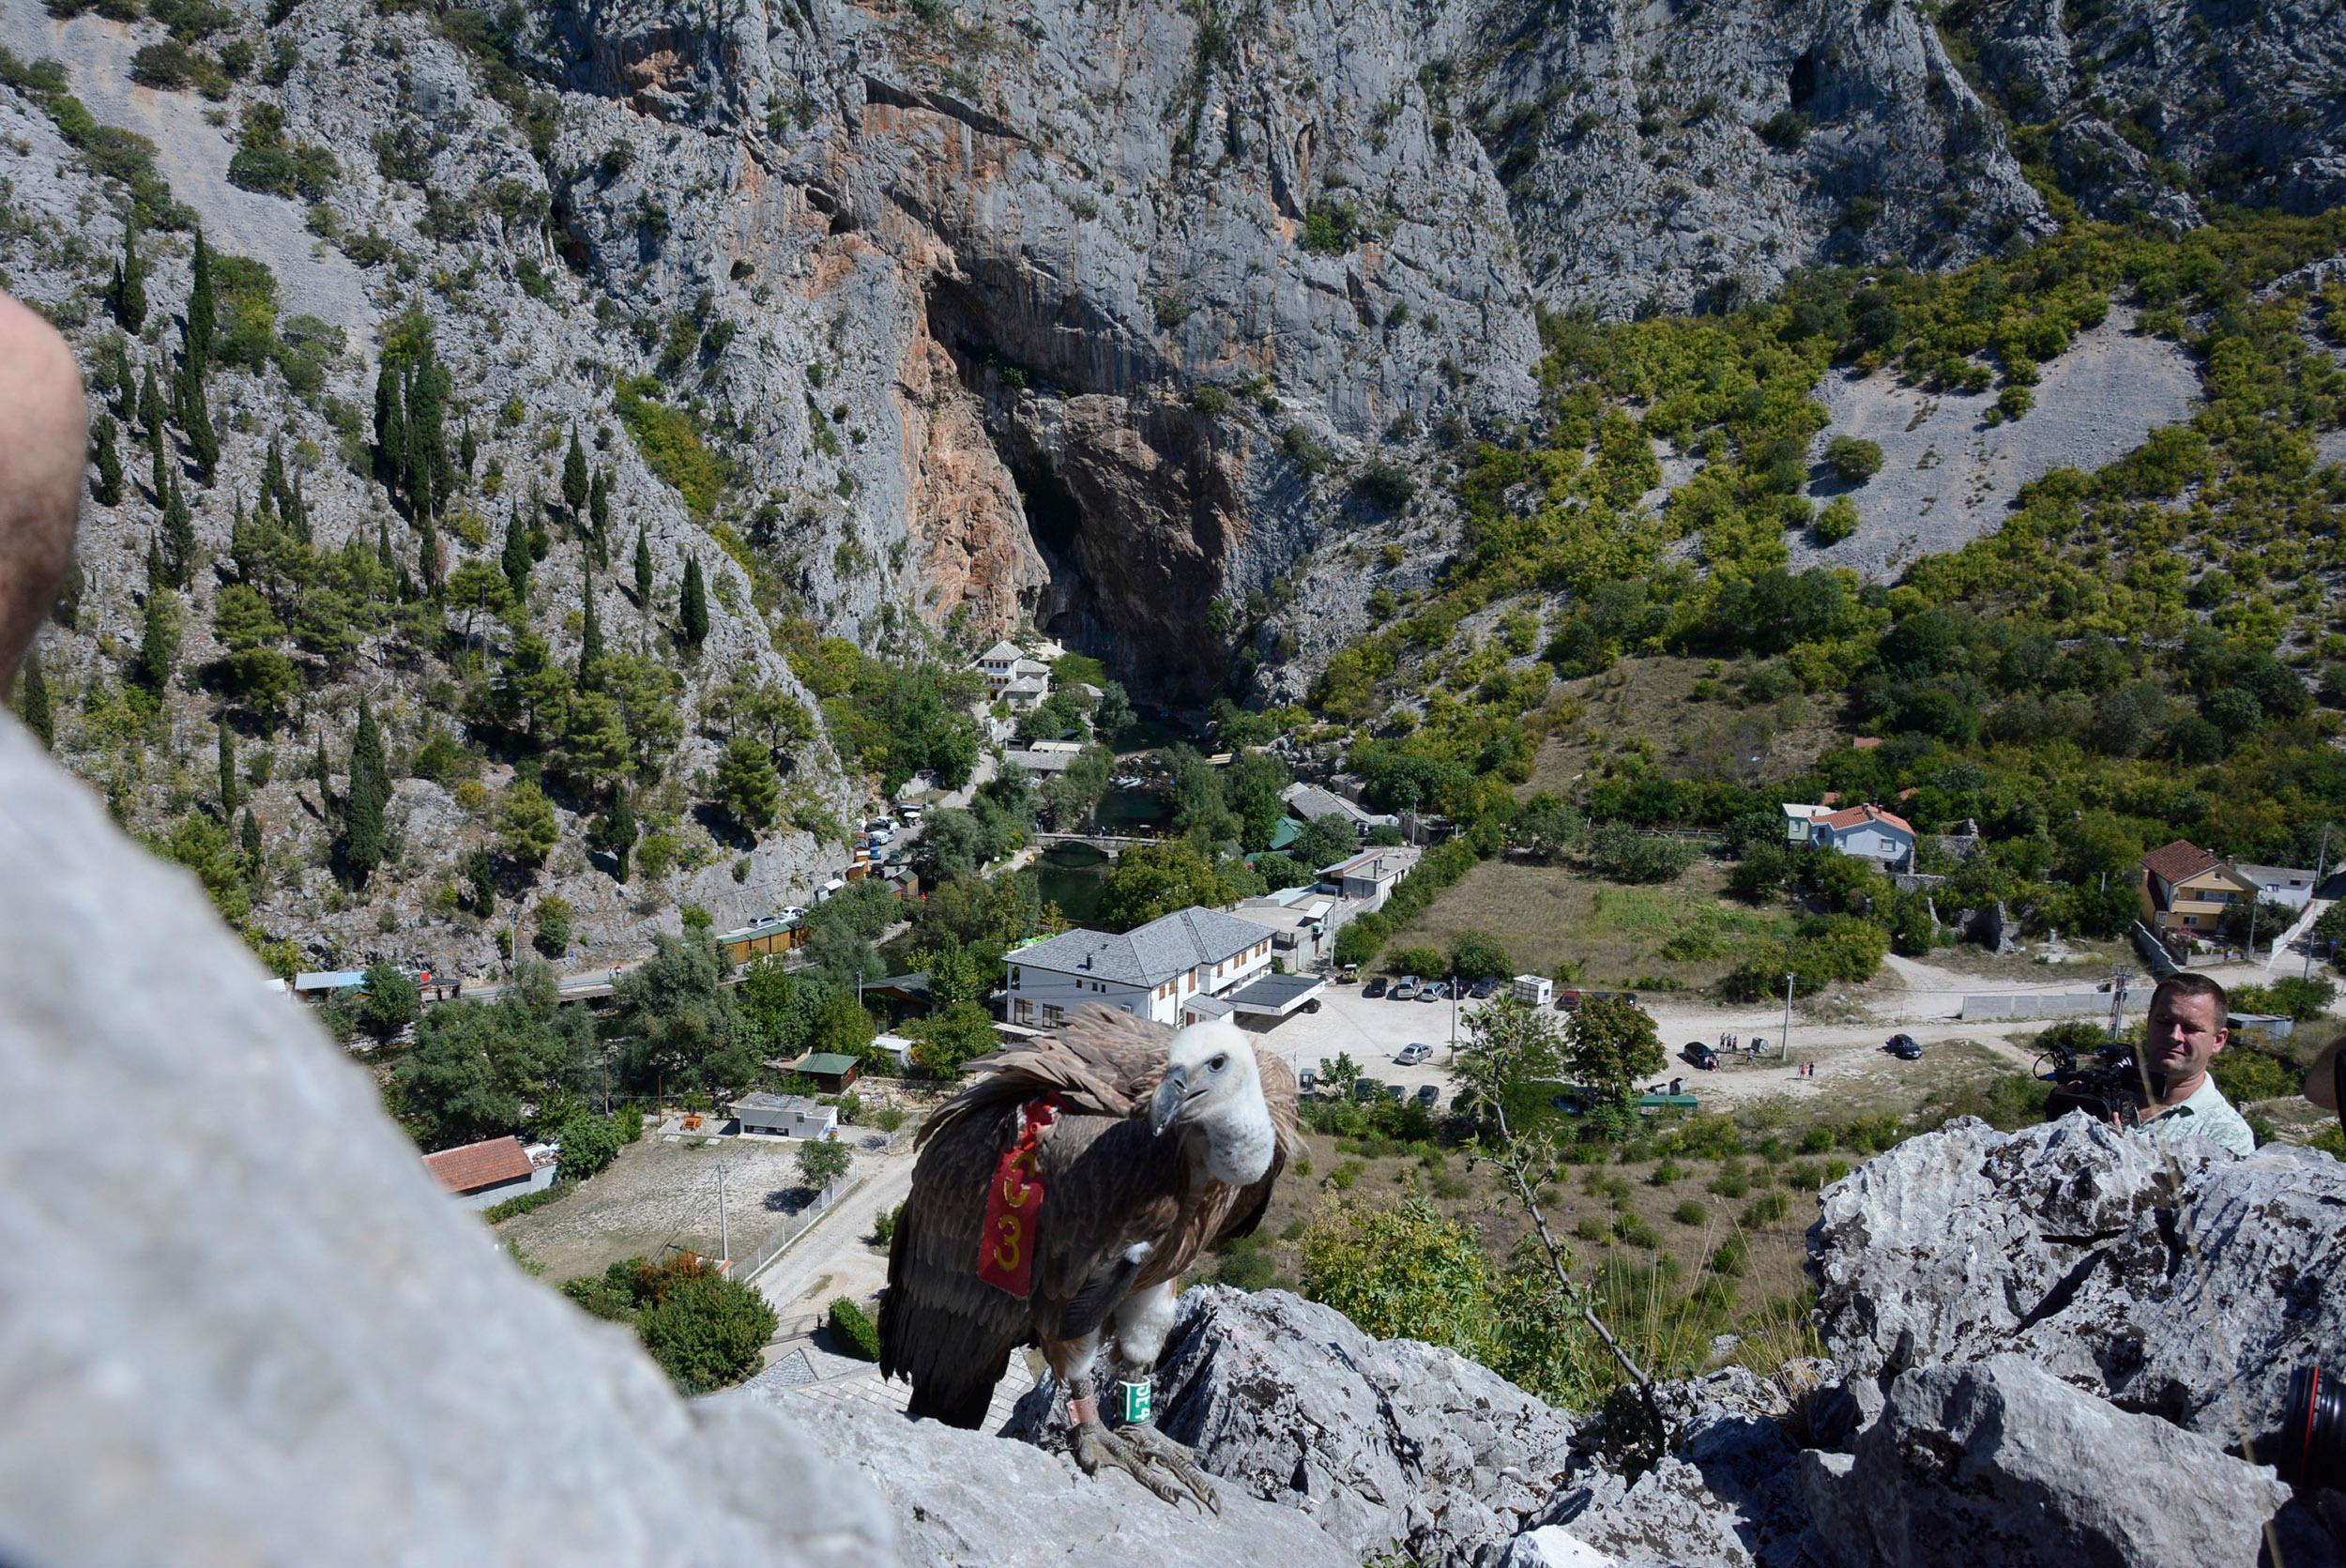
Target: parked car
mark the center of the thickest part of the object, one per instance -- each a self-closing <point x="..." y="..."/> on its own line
<point x="1904" y="1047"/>
<point x="1366" y="1088"/>
<point x="1349" y="975"/>
<point x="1485" y="987"/>
<point x="1413" y="1053"/>
<point x="1308" y="1080"/>
<point x="1435" y="991"/>
<point x="1428" y="1095"/>
<point x="1700" y="1055"/>
<point x="1396" y="1091"/>
<point x="1405" y="989"/>
<point x="1311" y="1004"/>
<point x="1374" y="989"/>
<point x="1567" y="1001"/>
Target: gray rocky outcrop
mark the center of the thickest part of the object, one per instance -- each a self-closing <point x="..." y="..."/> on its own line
<point x="1999" y="1461"/>
<point x="971" y="1500"/>
<point x="1382" y="1443"/>
<point x="2172" y="1279"/>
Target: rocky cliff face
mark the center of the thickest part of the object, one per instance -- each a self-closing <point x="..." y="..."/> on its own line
<point x="1082" y="315"/>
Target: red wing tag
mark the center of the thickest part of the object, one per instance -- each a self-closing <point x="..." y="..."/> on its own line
<point x="1014" y="1206"/>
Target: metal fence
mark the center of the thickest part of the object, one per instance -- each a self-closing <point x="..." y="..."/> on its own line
<point x="2052" y="1004"/>
<point x="745" y="1270"/>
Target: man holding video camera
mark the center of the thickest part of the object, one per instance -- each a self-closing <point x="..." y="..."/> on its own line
<point x="2175" y="1097"/>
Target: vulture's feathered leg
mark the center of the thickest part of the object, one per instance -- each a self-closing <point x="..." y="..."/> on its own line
<point x="1142" y="1322"/>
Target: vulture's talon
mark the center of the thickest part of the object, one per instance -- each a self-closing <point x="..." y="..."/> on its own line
<point x="1139" y="1451"/>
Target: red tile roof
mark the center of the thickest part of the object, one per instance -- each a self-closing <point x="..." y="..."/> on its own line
<point x="1864" y="742"/>
<point x="2179" y="861"/>
<point x="1857" y="816"/>
<point x="479" y="1165"/>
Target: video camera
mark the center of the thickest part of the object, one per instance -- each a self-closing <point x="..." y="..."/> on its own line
<point x="2110" y="1090"/>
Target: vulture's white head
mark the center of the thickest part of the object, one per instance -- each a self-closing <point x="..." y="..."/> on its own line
<point x="1212" y="1086"/>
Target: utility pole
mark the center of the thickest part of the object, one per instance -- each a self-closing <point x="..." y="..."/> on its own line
<point x="2320" y="865"/>
<point x="2118" y="998"/>
<point x="724" y="1235"/>
<point x="1784" y="1048"/>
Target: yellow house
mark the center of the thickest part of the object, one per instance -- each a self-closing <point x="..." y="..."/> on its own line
<point x="2186" y="888"/>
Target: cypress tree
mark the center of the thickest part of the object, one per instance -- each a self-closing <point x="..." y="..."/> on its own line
<point x="203" y="311"/>
<point x="129" y="284"/>
<point x="32" y="701"/>
<point x="274" y="488"/>
<point x="179" y="545"/>
<point x="468" y="448"/>
<point x="250" y="835"/>
<point x="515" y="559"/>
<point x="428" y="558"/>
<point x="118" y="378"/>
<point x="319" y="771"/>
<point x="415" y="466"/>
<point x="615" y="831"/>
<point x="157" y="574"/>
<point x="390" y="428"/>
<point x="693" y="610"/>
<point x="159" y="643"/>
<point x="599" y="509"/>
<point x="383" y="556"/>
<point x="195" y="414"/>
<point x="369" y="792"/>
<point x="151" y="409"/>
<point x="643" y="570"/>
<point x="298" y="511"/>
<point x="159" y="477"/>
<point x="575" y="484"/>
<point x="228" y="792"/>
<point x="426" y="412"/>
<point x="590" y="635"/>
<point x="108" y="491"/>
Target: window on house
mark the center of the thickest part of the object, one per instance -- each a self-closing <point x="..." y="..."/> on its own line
<point x="1053" y="1015"/>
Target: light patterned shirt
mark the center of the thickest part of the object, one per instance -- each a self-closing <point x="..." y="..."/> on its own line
<point x="2206" y="1115"/>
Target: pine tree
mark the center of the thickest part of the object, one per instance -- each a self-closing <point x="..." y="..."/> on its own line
<point x="370" y="793"/>
<point x="179" y="544"/>
<point x="108" y="490"/>
<point x="32" y="701"/>
<point x="693" y="612"/>
<point x="575" y="484"/>
<point x="643" y="570"/>
<point x="515" y="559"/>
<point x="228" y="791"/>
<point x="590" y="635"/>
<point x="129" y="284"/>
<point x="203" y="310"/>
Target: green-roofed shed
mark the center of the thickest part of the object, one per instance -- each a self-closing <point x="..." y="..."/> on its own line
<point x="832" y="1071"/>
<point x="1287" y="832"/>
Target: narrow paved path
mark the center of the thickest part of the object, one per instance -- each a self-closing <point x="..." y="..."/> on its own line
<point x="835" y="1244"/>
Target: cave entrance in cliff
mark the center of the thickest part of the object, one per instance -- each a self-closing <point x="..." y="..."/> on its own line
<point x="1055" y="521"/>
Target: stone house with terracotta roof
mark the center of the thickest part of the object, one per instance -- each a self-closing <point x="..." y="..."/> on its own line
<point x="479" y="1174"/>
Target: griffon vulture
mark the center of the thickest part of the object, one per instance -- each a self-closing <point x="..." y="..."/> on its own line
<point x="1162" y="1144"/>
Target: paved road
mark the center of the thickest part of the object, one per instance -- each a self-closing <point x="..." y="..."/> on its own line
<point x="835" y="1244"/>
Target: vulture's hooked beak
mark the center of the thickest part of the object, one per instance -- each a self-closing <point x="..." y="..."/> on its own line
<point x="1167" y="1103"/>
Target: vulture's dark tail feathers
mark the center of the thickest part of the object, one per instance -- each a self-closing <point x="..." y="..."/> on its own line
<point x="958" y="1394"/>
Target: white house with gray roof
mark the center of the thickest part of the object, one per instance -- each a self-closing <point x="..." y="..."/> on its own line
<point x="1013" y="677"/>
<point x="1150" y="972"/>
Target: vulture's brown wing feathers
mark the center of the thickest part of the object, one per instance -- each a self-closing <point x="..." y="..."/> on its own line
<point x="942" y="1327"/>
<point x="1104" y="1061"/>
